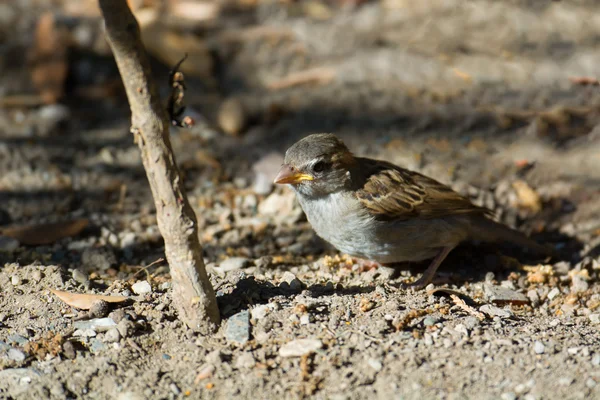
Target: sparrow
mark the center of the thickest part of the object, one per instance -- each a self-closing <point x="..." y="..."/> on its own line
<point x="377" y="211"/>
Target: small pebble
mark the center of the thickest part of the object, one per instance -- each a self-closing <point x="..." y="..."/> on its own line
<point x="594" y="318"/>
<point x="494" y="311"/>
<point x="375" y="364"/>
<point x="15" y="280"/>
<point x="16" y="355"/>
<point x="96" y="325"/>
<point x="174" y="388"/>
<point x="590" y="383"/>
<point x="234" y="263"/>
<point x="126" y="328"/>
<point x="553" y="293"/>
<point x="260" y="311"/>
<point x="238" y="328"/>
<point x="508" y="396"/>
<point x="112" y="336"/>
<point x="305" y="319"/>
<point x="80" y="277"/>
<point x="141" y="287"/>
<point x="300" y="347"/>
<point x="99" y="309"/>
<point x="36" y="275"/>
<point x="430" y="321"/>
<point x="538" y="347"/>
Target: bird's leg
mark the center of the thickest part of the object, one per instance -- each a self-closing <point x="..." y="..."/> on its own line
<point x="429" y="273"/>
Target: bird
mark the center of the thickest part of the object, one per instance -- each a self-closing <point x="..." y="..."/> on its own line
<point x="377" y="211"/>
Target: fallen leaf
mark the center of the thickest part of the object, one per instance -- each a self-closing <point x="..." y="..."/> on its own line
<point x="46" y="233"/>
<point x="85" y="301"/>
<point x="467" y="308"/>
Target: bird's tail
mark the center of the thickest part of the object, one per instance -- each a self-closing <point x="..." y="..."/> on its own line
<point x="487" y="230"/>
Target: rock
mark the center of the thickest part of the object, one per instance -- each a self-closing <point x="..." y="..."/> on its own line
<point x="300" y="347"/>
<point x="280" y="207"/>
<point x="126" y="328"/>
<point x="375" y="364"/>
<point x="305" y="319"/>
<point x="16" y="355"/>
<point x="141" y="287"/>
<point x="499" y="294"/>
<point x="128" y="240"/>
<point x="80" y="277"/>
<point x="553" y="293"/>
<point x="96" y="324"/>
<point x="8" y="244"/>
<point x="508" y="396"/>
<point x="112" y="336"/>
<point x="96" y="345"/>
<point x="430" y="321"/>
<point x="53" y="114"/>
<point x="594" y="318"/>
<point x="265" y="169"/>
<point x="578" y="284"/>
<point x="117" y="315"/>
<point x="15" y="280"/>
<point x="234" y="263"/>
<point x="99" y="309"/>
<point x="538" y="347"/>
<point x="36" y="275"/>
<point x="494" y="311"/>
<point x="260" y="311"/>
<point x="165" y="286"/>
<point x="238" y="328"/>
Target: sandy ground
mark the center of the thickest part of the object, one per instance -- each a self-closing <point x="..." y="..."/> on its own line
<point x="485" y="96"/>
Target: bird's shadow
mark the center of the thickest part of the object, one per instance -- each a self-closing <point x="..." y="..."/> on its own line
<point x="249" y="292"/>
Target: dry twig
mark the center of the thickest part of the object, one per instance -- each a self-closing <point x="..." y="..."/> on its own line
<point x="193" y="295"/>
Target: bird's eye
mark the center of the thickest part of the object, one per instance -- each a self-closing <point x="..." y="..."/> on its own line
<point x="319" y="166"/>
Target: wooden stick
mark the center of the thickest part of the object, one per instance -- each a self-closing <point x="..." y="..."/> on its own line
<point x="193" y="295"/>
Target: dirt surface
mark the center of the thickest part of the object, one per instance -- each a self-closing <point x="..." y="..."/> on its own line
<point x="497" y="99"/>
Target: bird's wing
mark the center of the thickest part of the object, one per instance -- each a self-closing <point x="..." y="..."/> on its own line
<point x="393" y="193"/>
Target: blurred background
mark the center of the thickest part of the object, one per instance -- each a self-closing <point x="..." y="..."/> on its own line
<point x="499" y="99"/>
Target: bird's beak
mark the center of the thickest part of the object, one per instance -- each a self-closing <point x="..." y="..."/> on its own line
<point x="288" y="174"/>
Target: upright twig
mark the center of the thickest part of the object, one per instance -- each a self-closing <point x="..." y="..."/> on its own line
<point x="193" y="294"/>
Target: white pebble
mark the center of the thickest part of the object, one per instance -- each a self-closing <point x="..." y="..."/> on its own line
<point x="141" y="287"/>
<point x="300" y="347"/>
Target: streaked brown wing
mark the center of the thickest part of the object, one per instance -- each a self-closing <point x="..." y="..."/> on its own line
<point x="393" y="193"/>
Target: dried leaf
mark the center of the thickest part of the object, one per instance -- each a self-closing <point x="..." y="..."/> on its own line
<point x="85" y="301"/>
<point x="47" y="233"/>
<point x="467" y="308"/>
